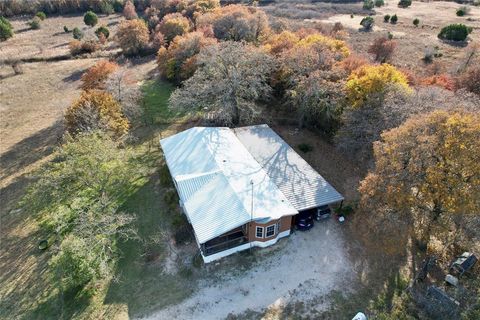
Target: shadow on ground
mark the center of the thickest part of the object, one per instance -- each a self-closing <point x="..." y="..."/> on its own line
<point x="30" y="150"/>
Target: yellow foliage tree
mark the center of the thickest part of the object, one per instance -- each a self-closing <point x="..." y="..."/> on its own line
<point x="426" y="171"/>
<point x="371" y="80"/>
<point x="132" y="36"/>
<point x="334" y="45"/>
<point x="283" y="41"/>
<point x="96" y="110"/>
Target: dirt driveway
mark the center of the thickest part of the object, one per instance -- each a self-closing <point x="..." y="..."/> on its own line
<point x="302" y="268"/>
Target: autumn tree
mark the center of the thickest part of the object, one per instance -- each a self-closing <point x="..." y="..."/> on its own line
<point x="96" y="110"/>
<point x="77" y="197"/>
<point x="311" y="53"/>
<point x="361" y="127"/>
<point x="278" y="43"/>
<point x="382" y="48"/>
<point x="369" y="81"/>
<point x="426" y="173"/>
<point x="172" y="25"/>
<point x="95" y="77"/>
<point x="236" y="23"/>
<point x="231" y="78"/>
<point x="129" y="11"/>
<point x="318" y="101"/>
<point x="178" y="61"/>
<point x="132" y="36"/>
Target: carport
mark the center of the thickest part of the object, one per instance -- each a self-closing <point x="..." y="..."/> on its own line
<point x="301" y="184"/>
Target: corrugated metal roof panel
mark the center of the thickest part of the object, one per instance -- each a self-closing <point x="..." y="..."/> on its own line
<point x="298" y="181"/>
<point x="214" y="172"/>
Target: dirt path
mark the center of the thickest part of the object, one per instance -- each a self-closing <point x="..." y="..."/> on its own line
<point x="304" y="267"/>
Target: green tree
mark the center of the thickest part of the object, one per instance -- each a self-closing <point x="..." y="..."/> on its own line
<point x="231" y="78"/>
<point x="90" y="18"/>
<point x="77" y="197"/>
<point x="318" y="101"/>
<point x="404" y="3"/>
<point x="104" y="30"/>
<point x="41" y="15"/>
<point x="6" y="30"/>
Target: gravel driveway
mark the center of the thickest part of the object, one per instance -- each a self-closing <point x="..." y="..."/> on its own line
<point x="305" y="267"/>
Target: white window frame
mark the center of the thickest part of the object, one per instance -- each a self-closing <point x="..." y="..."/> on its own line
<point x="274" y="231"/>
<point x="256" y="232"/>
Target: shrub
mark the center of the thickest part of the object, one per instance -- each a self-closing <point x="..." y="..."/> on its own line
<point x="383" y="49"/>
<point x="90" y="18"/>
<point x="132" y="36"/>
<point x="352" y="63"/>
<point x="35" y="23"/>
<point x="371" y="80"/>
<point x="96" y="110"/>
<point x="96" y="76"/>
<point x="463" y="11"/>
<point x="6" y="30"/>
<point x="283" y="41"/>
<point x="470" y="80"/>
<point x="305" y="147"/>
<point x="439" y="80"/>
<point x="379" y="3"/>
<point x="386" y="18"/>
<point x="404" y="3"/>
<point x="368" y="4"/>
<point x="103" y="30"/>
<point x="454" y="32"/>
<point x="394" y="19"/>
<point x="77" y="33"/>
<point x="106" y="8"/>
<point x="77" y="47"/>
<point x="117" y="6"/>
<point x="129" y="11"/>
<point x="41" y="15"/>
<point x="65" y="29"/>
<point x="172" y="25"/>
<point x="367" y="23"/>
<point x="416" y="22"/>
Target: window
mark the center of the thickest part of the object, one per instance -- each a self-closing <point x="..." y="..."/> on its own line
<point x="270" y="231"/>
<point x="259" y="232"/>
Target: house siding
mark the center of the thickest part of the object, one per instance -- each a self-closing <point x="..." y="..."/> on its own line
<point x="285" y="224"/>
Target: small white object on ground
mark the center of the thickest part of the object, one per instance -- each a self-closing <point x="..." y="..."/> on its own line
<point x="360" y="316"/>
<point x="341" y="218"/>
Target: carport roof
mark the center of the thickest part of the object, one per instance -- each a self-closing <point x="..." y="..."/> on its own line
<point x="304" y="187"/>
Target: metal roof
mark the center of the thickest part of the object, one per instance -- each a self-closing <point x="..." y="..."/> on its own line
<point x="213" y="173"/>
<point x="298" y="181"/>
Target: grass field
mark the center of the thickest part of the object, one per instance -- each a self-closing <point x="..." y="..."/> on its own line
<point x="140" y="283"/>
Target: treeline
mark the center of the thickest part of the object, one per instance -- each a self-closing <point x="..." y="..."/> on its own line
<point x="9" y="8"/>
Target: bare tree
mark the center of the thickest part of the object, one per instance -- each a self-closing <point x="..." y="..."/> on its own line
<point x="123" y="86"/>
<point x="362" y="126"/>
<point x="231" y="78"/>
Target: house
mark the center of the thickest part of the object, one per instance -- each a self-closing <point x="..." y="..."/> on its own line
<point x="241" y="188"/>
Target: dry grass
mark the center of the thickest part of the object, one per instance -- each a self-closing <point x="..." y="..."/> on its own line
<point x="50" y="40"/>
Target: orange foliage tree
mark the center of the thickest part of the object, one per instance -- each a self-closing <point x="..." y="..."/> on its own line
<point x="440" y="80"/>
<point x="95" y="77"/>
<point x="96" y="110"/>
<point x="129" y="11"/>
<point x="178" y="61"/>
<point x="382" y="49"/>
